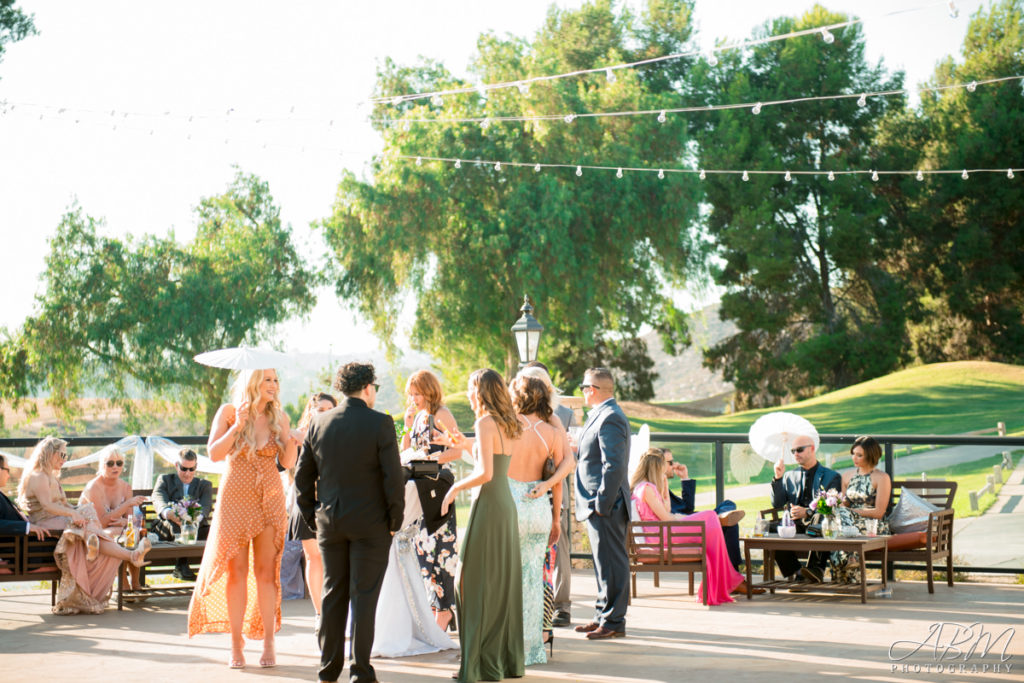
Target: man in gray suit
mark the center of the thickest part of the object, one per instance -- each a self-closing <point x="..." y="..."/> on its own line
<point x="602" y="501"/>
<point x="173" y="488"/>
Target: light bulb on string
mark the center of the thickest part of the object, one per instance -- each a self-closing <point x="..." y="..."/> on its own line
<point x="536" y="168"/>
<point x="874" y="176"/>
<point x="396" y="100"/>
<point x="862" y="101"/>
<point x="702" y="175"/>
<point x="919" y="176"/>
<point x="831" y="176"/>
<point x="618" y="173"/>
<point x="458" y="163"/>
<point x="609" y="75"/>
<point x="497" y="167"/>
<point x="964" y="175"/>
<point x="579" y="171"/>
<point x="827" y="36"/>
<point x="661" y="117"/>
<point x="712" y="59"/>
<point x="972" y="86"/>
<point x="746" y="177"/>
<point x="481" y="90"/>
<point x="485" y="124"/>
<point x="661" y="174"/>
<point x="437" y="101"/>
<point x="406" y="125"/>
<point x="569" y="118"/>
<point x="419" y="161"/>
<point x="524" y="88"/>
<point x="1009" y="173"/>
<point x="788" y="176"/>
<point x="953" y="11"/>
<point x="756" y="109"/>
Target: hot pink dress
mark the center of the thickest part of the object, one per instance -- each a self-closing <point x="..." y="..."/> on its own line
<point x="721" y="575"/>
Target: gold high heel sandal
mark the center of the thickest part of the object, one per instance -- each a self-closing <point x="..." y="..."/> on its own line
<point x="92" y="547"/>
<point x="139" y="554"/>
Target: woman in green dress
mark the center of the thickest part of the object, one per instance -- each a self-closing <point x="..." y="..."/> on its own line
<point x="489" y="591"/>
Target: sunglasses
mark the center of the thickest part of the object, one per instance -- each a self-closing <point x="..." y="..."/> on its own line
<point x="63" y="455"/>
<point x="376" y="387"/>
<point x="799" y="449"/>
<point x="5" y="469"/>
<point x="187" y="469"/>
<point x="587" y="386"/>
<point x="115" y="463"/>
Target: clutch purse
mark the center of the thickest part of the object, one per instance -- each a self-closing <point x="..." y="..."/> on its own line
<point x="549" y="468"/>
<point x="423" y="468"/>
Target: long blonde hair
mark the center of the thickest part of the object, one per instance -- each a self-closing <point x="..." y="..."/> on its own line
<point x="41" y="460"/>
<point x="247" y="388"/>
<point x="651" y="469"/>
<point x="494" y="397"/>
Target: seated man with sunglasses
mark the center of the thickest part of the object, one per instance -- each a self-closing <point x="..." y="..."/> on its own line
<point x="797" y="489"/>
<point x="173" y="488"/>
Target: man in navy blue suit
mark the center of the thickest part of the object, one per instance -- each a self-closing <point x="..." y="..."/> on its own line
<point x="602" y="501"/>
<point x="798" y="488"/>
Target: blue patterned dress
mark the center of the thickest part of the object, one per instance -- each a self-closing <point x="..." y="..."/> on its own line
<point x="860" y="492"/>
<point x="436" y="552"/>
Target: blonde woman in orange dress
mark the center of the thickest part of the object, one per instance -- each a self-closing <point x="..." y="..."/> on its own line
<point x="238" y="589"/>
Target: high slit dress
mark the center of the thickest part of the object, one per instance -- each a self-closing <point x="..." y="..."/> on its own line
<point x="489" y="589"/>
<point x="250" y="499"/>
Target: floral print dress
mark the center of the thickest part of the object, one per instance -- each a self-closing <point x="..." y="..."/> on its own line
<point x="860" y="492"/>
<point x="436" y="552"/>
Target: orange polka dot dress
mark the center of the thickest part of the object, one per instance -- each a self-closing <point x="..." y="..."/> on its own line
<point x="250" y="499"/>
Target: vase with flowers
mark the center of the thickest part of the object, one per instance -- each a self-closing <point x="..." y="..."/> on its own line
<point x="826" y="504"/>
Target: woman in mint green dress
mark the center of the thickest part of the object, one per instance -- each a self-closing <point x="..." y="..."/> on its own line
<point x="488" y="588"/>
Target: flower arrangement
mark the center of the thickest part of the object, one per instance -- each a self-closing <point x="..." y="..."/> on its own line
<point x="188" y="510"/>
<point x="827" y="502"/>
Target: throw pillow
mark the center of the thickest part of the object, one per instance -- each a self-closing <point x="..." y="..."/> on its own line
<point x="911" y="513"/>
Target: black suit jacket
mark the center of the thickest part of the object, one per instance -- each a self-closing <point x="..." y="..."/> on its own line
<point x="791" y="486"/>
<point x="683" y="505"/>
<point x="349" y="480"/>
<point x="12" y="523"/>
<point x="169" y="489"/>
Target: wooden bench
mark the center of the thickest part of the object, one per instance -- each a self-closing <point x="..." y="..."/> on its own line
<point x="935" y="543"/>
<point x="676" y="546"/>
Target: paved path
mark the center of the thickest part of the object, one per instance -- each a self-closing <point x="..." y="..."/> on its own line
<point x="996" y="538"/>
<point x="770" y="639"/>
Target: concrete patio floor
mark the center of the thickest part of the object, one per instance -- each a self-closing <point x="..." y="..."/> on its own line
<point x="786" y="637"/>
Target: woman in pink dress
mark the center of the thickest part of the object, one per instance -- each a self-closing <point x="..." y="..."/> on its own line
<point x="650" y="490"/>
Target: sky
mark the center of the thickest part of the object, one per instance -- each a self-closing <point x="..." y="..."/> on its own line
<point x="161" y="100"/>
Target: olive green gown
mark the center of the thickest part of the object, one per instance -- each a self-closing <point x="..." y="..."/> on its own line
<point x="489" y="589"/>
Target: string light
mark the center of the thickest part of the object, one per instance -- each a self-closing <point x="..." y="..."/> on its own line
<point x="618" y="173"/>
<point x="485" y="124"/>
<point x="964" y="175"/>
<point x="458" y="163"/>
<point x="757" y="109"/>
<point x="827" y="36"/>
<point x="579" y="171"/>
<point x="745" y="177"/>
<point x="788" y="176"/>
<point x="569" y="118"/>
<point x="1009" y="173"/>
<point x="437" y="101"/>
<point x="953" y="11"/>
<point x="972" y="86"/>
<point x="831" y="176"/>
<point x="661" y="117"/>
<point x="610" y="75"/>
<point x="661" y="174"/>
<point x="874" y="176"/>
<point x="524" y="89"/>
<point x="712" y="59"/>
<point x="497" y="167"/>
<point x="703" y="175"/>
<point x="536" y="168"/>
<point x="920" y="175"/>
<point x="862" y="101"/>
<point x="419" y="161"/>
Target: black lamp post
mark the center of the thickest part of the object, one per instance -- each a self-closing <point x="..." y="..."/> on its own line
<point x="527" y="333"/>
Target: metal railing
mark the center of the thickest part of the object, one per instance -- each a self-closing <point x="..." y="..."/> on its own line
<point x="717" y="441"/>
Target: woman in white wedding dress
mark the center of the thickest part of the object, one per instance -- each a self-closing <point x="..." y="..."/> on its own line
<point x="405" y="624"/>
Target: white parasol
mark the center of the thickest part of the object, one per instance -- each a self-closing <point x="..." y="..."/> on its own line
<point x="243" y="358"/>
<point x="744" y="463"/>
<point x="638" y="445"/>
<point x="771" y="435"/>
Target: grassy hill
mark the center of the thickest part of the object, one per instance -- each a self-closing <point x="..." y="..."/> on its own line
<point x="943" y="398"/>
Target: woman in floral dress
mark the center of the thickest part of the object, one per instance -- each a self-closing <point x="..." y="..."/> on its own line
<point x="867" y="492"/>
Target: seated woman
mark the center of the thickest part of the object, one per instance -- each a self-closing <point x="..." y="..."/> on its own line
<point x="867" y="490"/>
<point x="650" y="490"/>
<point x="111" y="497"/>
<point x="87" y="557"/>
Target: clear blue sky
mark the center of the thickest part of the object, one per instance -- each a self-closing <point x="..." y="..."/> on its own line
<point x="297" y="61"/>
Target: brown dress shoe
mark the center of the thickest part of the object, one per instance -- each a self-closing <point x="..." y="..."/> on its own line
<point x="602" y="633"/>
<point x="742" y="588"/>
<point x="587" y="628"/>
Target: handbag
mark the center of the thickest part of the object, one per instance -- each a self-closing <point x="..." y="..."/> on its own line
<point x="549" y="468"/>
<point x="419" y="469"/>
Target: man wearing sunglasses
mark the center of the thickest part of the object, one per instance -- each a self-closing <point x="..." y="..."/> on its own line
<point x="173" y="488"/>
<point x="797" y="488"/>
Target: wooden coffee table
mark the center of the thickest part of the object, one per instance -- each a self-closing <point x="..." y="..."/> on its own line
<point x="161" y="554"/>
<point x="803" y="543"/>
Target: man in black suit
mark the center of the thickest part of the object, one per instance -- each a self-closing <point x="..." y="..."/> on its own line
<point x="173" y="488"/>
<point x="798" y="488"/>
<point x="351" y="490"/>
<point x="12" y="522"/>
<point x="602" y="501"/>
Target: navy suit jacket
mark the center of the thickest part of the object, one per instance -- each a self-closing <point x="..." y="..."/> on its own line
<point x="603" y="468"/>
<point x="684" y="504"/>
<point x="12" y="522"/>
<point x="169" y="489"/>
<point x="791" y="486"/>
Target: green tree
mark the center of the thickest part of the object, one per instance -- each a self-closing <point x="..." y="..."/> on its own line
<point x="15" y="25"/>
<point x="594" y="252"/>
<point x="136" y="311"/>
<point x="804" y="262"/>
<point x="964" y="237"/>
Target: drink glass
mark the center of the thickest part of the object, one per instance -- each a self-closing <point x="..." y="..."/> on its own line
<point x="872" y="526"/>
<point x="760" y="528"/>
